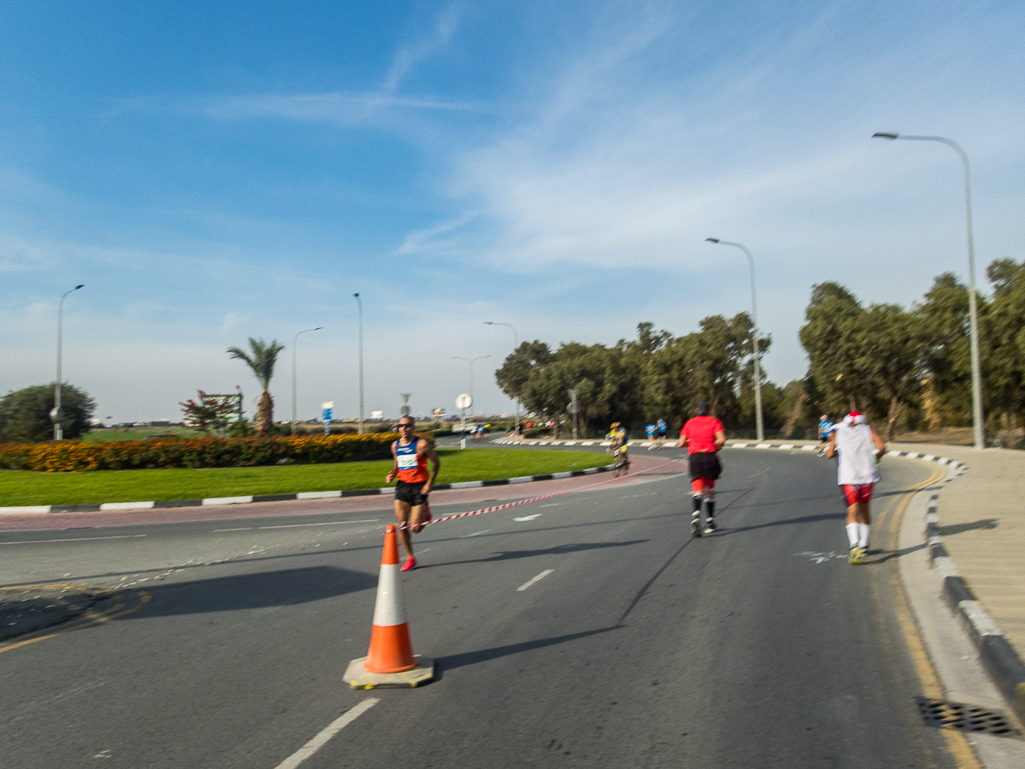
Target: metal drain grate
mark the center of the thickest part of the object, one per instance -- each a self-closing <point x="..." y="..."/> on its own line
<point x="965" y="718"/>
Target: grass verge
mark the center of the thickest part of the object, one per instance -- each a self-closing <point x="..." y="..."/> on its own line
<point x="22" y="487"/>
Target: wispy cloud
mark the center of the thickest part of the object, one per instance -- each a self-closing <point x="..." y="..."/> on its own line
<point x="342" y="109"/>
<point x="445" y="27"/>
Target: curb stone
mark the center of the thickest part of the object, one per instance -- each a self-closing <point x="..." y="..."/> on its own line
<point x="245" y="500"/>
<point x="1000" y="660"/>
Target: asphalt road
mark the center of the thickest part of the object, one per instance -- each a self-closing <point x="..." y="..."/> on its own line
<point x="227" y="641"/>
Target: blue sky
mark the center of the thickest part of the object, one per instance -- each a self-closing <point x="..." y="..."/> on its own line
<point x="214" y="171"/>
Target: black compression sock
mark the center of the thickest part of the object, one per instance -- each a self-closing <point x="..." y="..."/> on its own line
<point x="710" y="508"/>
<point x="697" y="503"/>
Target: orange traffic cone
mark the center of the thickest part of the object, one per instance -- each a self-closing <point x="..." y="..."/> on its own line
<point x="390" y="661"/>
<point x="391" y="651"/>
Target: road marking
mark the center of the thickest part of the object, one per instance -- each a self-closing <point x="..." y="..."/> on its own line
<point x="322" y="739"/>
<point x="90" y="618"/>
<point x="550" y="504"/>
<point x="528" y="517"/>
<point x="538" y="578"/>
<point x="820" y="557"/>
<point x="301" y="525"/>
<point x="475" y="534"/>
<point x="244" y="528"/>
<point x="72" y="539"/>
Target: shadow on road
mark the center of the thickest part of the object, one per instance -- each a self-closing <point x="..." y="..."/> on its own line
<point x="508" y="555"/>
<point x="957" y="528"/>
<point x="485" y="655"/>
<point x="784" y="522"/>
<point x="262" y="590"/>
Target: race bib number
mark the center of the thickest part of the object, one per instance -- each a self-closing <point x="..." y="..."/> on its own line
<point x="407" y="461"/>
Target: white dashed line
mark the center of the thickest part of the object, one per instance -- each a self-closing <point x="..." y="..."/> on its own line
<point x="538" y="578"/>
<point x="302" y="525"/>
<point x="322" y="739"/>
<point x="244" y="528"/>
<point x="475" y="534"/>
<point x="528" y="517"/>
<point x="71" y="539"/>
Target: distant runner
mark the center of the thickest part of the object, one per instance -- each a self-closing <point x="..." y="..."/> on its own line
<point x="650" y="432"/>
<point x="618" y="448"/>
<point x="704" y="435"/>
<point x="411" y="455"/>
<point x="860" y="450"/>
<point x="660" y="428"/>
<point x="825" y="428"/>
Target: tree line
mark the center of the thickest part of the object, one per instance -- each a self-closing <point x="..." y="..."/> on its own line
<point x="907" y="368"/>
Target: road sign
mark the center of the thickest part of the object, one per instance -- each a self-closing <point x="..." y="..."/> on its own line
<point x="573" y="407"/>
<point x="326" y="408"/>
<point x="464" y="401"/>
<point x="405" y="411"/>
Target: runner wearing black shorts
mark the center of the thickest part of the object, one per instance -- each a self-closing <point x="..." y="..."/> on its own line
<point x="413" y="483"/>
<point x="704" y="435"/>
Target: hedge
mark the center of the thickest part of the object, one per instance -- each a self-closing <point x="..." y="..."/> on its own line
<point x="76" y="456"/>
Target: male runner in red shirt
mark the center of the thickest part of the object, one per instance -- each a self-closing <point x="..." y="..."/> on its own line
<point x="411" y="454"/>
<point x="704" y="435"/>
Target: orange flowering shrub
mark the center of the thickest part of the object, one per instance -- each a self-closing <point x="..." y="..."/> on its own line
<point x="76" y="456"/>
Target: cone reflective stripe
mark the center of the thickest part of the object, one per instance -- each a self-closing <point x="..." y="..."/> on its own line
<point x="391" y="651"/>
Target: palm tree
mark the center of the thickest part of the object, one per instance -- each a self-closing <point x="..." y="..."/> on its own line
<point x="261" y="360"/>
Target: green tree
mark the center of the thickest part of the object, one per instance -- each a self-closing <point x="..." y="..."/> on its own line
<point x="713" y="364"/>
<point x="211" y="413"/>
<point x="261" y="359"/>
<point x="512" y="377"/>
<point x="1003" y="324"/>
<point x="25" y="413"/>
<point x="947" y="359"/>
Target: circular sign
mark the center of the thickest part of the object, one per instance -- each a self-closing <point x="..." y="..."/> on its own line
<point x="573" y="407"/>
<point x="464" y="401"/>
<point x="405" y="411"/>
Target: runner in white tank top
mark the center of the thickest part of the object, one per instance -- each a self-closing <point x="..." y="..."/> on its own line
<point x="857" y="472"/>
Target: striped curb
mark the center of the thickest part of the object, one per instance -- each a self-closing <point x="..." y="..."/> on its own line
<point x="245" y="500"/>
<point x="998" y="657"/>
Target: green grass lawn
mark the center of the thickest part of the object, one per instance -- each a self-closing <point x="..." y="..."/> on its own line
<point x="21" y="487"/>
<point x="138" y="434"/>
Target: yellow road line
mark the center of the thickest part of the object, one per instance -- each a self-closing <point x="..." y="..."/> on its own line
<point x="89" y="618"/>
<point x="957" y="744"/>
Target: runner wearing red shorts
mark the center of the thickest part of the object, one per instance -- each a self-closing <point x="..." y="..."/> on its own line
<point x="860" y="448"/>
<point x="704" y="435"/>
<point x="411" y="454"/>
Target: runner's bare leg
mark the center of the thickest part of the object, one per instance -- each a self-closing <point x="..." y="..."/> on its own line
<point x="402" y="513"/>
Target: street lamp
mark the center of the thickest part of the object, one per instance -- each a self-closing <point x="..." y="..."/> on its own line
<point x="471" y="361"/>
<point x="359" y="303"/>
<point x="295" y="340"/>
<point x="516" y="344"/>
<point x="57" y="415"/>
<point x="759" y="421"/>
<point x="973" y="311"/>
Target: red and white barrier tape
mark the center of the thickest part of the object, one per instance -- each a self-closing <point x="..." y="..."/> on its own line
<point x="506" y="505"/>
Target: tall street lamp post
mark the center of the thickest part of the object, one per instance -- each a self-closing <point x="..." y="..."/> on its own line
<point x="973" y="310"/>
<point x="471" y="361"/>
<point x="516" y="344"/>
<point x="759" y="421"/>
<point x="295" y="340"/>
<point x="57" y="414"/>
<point x="359" y="303"/>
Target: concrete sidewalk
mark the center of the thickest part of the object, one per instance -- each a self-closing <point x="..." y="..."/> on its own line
<point x="982" y="521"/>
